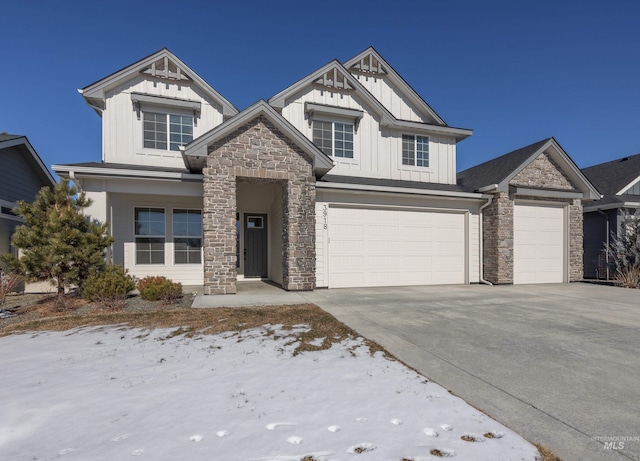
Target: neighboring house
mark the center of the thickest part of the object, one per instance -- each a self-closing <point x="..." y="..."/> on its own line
<point x="345" y="179"/>
<point x="22" y="175"/>
<point x="619" y="183"/>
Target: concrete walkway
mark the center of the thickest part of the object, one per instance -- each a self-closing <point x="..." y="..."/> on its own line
<point x="559" y="364"/>
<point x="250" y="293"/>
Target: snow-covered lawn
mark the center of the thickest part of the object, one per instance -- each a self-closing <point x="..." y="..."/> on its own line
<point x="109" y="393"/>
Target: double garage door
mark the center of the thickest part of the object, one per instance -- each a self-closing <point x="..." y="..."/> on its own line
<point x="539" y="247"/>
<point x="392" y="247"/>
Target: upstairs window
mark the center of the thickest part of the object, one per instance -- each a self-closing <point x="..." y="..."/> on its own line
<point x="415" y="150"/>
<point x="167" y="131"/>
<point x="334" y="138"/>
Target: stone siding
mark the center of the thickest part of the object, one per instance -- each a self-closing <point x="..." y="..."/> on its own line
<point x="542" y="173"/>
<point x="258" y="151"/>
<point x="497" y="221"/>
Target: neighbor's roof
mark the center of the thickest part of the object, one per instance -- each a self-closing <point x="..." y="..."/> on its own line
<point x="611" y="177"/>
<point x="20" y="141"/>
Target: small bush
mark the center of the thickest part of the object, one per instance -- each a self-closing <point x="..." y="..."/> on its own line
<point x="109" y="286"/>
<point x="9" y="282"/>
<point x="159" y="288"/>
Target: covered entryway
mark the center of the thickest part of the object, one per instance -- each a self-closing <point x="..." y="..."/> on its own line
<point x="393" y="247"/>
<point x="538" y="243"/>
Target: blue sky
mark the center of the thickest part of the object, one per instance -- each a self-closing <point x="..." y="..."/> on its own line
<point x="515" y="72"/>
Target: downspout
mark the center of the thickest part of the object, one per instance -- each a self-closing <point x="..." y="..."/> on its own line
<point x="482" y="280"/>
<point x="607" y="243"/>
<point x="76" y="181"/>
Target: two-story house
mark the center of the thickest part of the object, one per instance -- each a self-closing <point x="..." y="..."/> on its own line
<point x="346" y="178"/>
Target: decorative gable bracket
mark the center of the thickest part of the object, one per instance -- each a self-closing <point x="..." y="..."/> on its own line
<point x="311" y="108"/>
<point x="369" y="64"/>
<point x="166" y="69"/>
<point x="334" y="79"/>
<point x="139" y="98"/>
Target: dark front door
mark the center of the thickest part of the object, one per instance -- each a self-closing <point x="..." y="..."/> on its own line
<point x="255" y="245"/>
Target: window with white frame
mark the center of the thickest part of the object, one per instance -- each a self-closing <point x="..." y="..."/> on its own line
<point x="415" y="150"/>
<point x="334" y="138"/>
<point x="149" y="231"/>
<point x="166" y="131"/>
<point x="187" y="236"/>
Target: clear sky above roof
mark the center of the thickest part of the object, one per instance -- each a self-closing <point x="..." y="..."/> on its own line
<point x="514" y="72"/>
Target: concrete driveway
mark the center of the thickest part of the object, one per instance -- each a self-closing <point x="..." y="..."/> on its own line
<point x="559" y="364"/>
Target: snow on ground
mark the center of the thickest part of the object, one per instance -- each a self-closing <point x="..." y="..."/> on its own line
<point x="110" y="393"/>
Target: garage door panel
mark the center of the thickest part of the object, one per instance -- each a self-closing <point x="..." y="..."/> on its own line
<point x="539" y="244"/>
<point x="398" y="247"/>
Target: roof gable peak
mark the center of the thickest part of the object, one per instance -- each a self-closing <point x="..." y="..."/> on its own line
<point x="336" y="78"/>
<point x="166" y="68"/>
<point x="162" y="64"/>
<point x="370" y="61"/>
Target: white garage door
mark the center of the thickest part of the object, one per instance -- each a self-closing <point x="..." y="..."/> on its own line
<point x="388" y="247"/>
<point x="538" y="244"/>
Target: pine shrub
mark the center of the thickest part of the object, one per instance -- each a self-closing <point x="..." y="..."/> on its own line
<point x="159" y="288"/>
<point x="108" y="287"/>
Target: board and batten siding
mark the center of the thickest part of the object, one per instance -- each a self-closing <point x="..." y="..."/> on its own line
<point x="18" y="179"/>
<point x="326" y="199"/>
<point x="385" y="92"/>
<point x="377" y="151"/>
<point x="122" y="131"/>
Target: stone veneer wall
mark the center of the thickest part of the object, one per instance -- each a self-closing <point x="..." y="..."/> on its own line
<point x="497" y="240"/>
<point x="576" y="235"/>
<point x="543" y="172"/>
<point x="259" y="151"/>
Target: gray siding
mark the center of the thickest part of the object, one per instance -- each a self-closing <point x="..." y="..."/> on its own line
<point x="19" y="180"/>
<point x="6" y="229"/>
<point x="595" y="236"/>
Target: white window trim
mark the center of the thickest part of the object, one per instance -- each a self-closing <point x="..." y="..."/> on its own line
<point x="135" y="236"/>
<point x="174" y="236"/>
<point x="139" y="131"/>
<point x="415" y="141"/>
<point x="333" y="121"/>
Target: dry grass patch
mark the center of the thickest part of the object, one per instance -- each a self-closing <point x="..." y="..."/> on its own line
<point x="208" y="321"/>
<point x="547" y="455"/>
<point x="468" y="438"/>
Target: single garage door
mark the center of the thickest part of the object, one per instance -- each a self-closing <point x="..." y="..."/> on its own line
<point x="538" y="244"/>
<point x="390" y="247"/>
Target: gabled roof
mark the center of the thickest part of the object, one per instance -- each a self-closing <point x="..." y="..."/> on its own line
<point x="497" y="173"/>
<point x="11" y="140"/>
<point x="333" y="67"/>
<point x="195" y="153"/>
<point x="614" y="177"/>
<point x="162" y="64"/>
<point x="370" y="61"/>
<point x="344" y="81"/>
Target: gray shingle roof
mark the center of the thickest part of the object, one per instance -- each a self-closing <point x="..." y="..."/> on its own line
<point x="123" y="166"/>
<point x="9" y="137"/>
<point x="496" y="170"/>
<point x="610" y="177"/>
